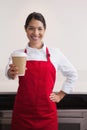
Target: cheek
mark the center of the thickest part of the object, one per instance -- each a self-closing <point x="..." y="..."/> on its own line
<point x="28" y="34"/>
<point x="42" y="33"/>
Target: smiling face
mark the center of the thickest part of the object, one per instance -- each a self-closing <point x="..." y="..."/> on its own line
<point x="35" y="33"/>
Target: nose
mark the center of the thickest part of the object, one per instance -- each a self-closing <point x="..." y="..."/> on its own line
<point x="36" y="32"/>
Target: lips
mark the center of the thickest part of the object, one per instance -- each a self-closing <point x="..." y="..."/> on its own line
<point x="34" y="38"/>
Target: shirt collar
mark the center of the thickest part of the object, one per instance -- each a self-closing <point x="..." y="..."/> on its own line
<point x="29" y="49"/>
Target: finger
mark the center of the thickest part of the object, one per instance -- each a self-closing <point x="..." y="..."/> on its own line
<point x="13" y="68"/>
<point x="52" y="94"/>
<point x="11" y="65"/>
<point x="52" y="97"/>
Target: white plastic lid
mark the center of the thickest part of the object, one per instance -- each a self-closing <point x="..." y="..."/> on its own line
<point x="19" y="54"/>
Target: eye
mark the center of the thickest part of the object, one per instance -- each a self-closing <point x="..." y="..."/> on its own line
<point x="40" y="28"/>
<point x="30" y="28"/>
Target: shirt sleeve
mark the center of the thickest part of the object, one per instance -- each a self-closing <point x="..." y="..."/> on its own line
<point x="68" y="71"/>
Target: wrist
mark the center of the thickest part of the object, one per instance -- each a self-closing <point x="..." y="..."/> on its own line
<point x="61" y="94"/>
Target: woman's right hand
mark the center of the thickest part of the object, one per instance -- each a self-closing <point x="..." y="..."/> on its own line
<point x="12" y="71"/>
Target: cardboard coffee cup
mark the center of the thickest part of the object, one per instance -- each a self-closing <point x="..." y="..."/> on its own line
<point x="19" y="60"/>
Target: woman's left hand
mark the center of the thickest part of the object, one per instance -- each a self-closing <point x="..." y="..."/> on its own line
<point x="57" y="97"/>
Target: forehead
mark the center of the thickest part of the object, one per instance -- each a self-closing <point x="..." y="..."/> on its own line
<point x="36" y="23"/>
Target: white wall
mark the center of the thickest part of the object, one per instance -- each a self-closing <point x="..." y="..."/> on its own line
<point x="66" y="29"/>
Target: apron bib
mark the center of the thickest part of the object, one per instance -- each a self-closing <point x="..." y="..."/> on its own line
<point x="33" y="109"/>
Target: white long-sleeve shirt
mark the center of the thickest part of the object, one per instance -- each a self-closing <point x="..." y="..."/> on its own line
<point x="59" y="61"/>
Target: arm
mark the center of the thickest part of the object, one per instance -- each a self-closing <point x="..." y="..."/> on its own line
<point x="69" y="72"/>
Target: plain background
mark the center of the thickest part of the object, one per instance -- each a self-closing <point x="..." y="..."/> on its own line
<point x="66" y="29"/>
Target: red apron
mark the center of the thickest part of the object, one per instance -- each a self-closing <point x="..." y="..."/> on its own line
<point x="33" y="109"/>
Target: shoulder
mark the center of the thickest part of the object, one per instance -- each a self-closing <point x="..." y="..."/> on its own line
<point x="58" y="55"/>
<point x="55" y="51"/>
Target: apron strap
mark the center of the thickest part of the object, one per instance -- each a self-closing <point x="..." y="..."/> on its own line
<point x="25" y="50"/>
<point x="47" y="54"/>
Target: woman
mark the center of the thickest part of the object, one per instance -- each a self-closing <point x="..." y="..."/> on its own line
<point x="35" y="107"/>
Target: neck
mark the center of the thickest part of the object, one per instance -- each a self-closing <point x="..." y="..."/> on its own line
<point x="37" y="46"/>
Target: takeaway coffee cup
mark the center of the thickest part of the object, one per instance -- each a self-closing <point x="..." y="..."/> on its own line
<point x="19" y="59"/>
